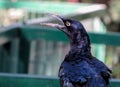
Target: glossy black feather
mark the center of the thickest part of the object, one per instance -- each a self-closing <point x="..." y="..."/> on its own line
<point x="80" y="68"/>
<point x="84" y="72"/>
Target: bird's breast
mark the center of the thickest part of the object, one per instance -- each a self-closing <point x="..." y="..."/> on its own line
<point x="79" y="69"/>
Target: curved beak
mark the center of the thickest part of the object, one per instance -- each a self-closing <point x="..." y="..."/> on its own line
<point x="61" y="27"/>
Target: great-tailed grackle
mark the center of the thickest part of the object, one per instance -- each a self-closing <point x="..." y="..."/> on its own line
<point x="80" y="68"/>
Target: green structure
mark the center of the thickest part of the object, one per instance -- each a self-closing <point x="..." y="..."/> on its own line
<point x="11" y="80"/>
<point x="26" y="48"/>
<point x="20" y="51"/>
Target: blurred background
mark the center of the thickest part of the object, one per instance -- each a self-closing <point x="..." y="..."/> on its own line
<point x="28" y="48"/>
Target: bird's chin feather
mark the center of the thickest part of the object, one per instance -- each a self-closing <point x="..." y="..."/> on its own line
<point x="56" y="16"/>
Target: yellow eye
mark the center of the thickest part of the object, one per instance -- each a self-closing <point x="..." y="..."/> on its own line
<point x="68" y="23"/>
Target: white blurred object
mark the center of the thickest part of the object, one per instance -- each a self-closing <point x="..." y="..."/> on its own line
<point x="15" y="13"/>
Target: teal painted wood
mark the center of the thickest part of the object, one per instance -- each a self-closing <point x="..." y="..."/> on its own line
<point x="55" y="7"/>
<point x="43" y="7"/>
<point x="115" y="83"/>
<point x="28" y="33"/>
<point x="5" y="57"/>
<point x="14" y="55"/>
<point x="15" y="80"/>
<point x="7" y="40"/>
<point x="24" y="55"/>
<point x="35" y="33"/>
<point x="6" y="35"/>
<point x="27" y="81"/>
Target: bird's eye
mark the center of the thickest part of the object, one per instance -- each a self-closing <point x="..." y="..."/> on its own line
<point x="68" y="23"/>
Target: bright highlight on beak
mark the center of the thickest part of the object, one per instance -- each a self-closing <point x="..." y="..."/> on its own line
<point x="54" y="25"/>
<point x="61" y="27"/>
<point x="56" y="16"/>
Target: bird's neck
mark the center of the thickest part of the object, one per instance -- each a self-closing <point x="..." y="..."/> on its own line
<point x="81" y="46"/>
<point x="80" y="49"/>
<point x="78" y="52"/>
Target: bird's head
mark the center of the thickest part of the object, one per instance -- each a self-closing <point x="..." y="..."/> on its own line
<point x="73" y="29"/>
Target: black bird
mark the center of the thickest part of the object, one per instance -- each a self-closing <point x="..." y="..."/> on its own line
<point x="80" y="68"/>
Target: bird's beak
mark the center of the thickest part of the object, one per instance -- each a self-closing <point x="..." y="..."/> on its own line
<point x="61" y="27"/>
